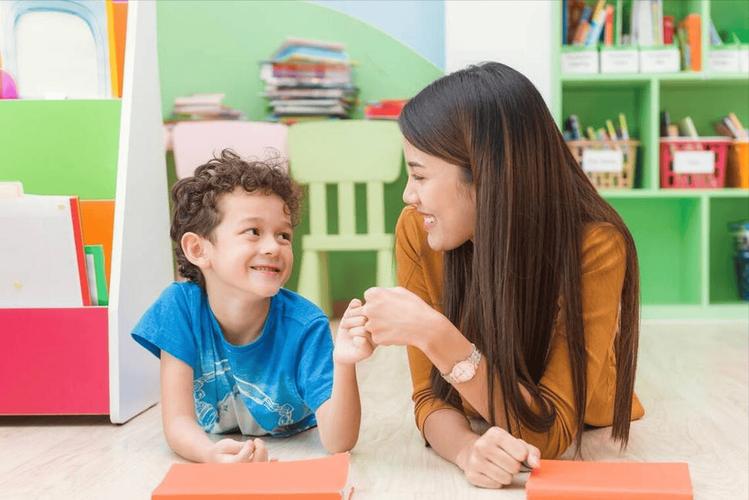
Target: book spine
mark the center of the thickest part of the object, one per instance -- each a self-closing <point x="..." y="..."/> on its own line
<point x="75" y="216"/>
<point x="668" y="30"/>
<point x="608" y="32"/>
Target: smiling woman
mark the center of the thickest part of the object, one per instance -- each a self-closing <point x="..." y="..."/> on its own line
<point x="519" y="304"/>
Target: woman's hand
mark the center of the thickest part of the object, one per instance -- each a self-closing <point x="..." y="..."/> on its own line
<point x="352" y="342"/>
<point x="491" y="460"/>
<point x="233" y="451"/>
<point x="397" y="316"/>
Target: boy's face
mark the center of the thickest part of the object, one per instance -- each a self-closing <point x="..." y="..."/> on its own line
<point x="251" y="249"/>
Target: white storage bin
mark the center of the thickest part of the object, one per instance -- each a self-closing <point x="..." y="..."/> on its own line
<point x="619" y="60"/>
<point x="659" y="59"/>
<point x="724" y="59"/>
<point x="579" y="60"/>
<point x="744" y="58"/>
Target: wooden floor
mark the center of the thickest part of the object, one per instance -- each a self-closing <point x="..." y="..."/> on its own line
<point x="693" y="380"/>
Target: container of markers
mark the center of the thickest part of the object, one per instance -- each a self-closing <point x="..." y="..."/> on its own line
<point x="740" y="233"/>
<point x="687" y="163"/>
<point x="609" y="164"/>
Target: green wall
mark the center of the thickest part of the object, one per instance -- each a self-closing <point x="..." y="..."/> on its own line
<point x="217" y="47"/>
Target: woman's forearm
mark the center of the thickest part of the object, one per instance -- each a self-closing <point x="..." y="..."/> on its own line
<point x="338" y="419"/>
<point x="445" y="345"/>
<point x="450" y="435"/>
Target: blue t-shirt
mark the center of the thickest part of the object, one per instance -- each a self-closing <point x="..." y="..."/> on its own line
<point x="272" y="385"/>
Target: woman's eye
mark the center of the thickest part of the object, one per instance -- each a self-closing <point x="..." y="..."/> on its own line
<point x="417" y="177"/>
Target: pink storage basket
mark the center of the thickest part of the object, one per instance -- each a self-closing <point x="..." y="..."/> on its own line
<point x="671" y="179"/>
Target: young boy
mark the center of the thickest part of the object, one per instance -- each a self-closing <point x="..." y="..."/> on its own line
<point x="238" y="352"/>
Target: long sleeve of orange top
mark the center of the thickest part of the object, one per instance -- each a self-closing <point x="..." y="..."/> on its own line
<point x="419" y="269"/>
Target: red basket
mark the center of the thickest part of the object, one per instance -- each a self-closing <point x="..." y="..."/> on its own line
<point x="715" y="179"/>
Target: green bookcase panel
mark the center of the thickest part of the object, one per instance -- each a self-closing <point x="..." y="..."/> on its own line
<point x="723" y="285"/>
<point x="706" y="101"/>
<point x="667" y="236"/>
<point x="681" y="9"/>
<point x="61" y="147"/>
<point x="596" y="102"/>
<point x="731" y="16"/>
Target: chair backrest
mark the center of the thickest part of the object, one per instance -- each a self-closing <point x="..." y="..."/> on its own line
<point x="194" y="143"/>
<point x="344" y="153"/>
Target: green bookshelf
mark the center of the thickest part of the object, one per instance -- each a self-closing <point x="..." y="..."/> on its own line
<point x="682" y="238"/>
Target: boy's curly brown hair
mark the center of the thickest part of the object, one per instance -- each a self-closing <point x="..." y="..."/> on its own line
<point x="195" y="198"/>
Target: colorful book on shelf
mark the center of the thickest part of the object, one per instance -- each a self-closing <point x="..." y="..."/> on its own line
<point x="692" y="25"/>
<point x="96" y="276"/>
<point x="623" y="127"/>
<point x="668" y="30"/>
<point x="97" y="227"/>
<point x="43" y="263"/>
<point x="575" y="12"/>
<point x="597" y="20"/>
<point x="314" y="479"/>
<point x="687" y="128"/>
<point x="117" y="28"/>
<point x="581" y="30"/>
<point x="568" y="480"/>
<point x="608" y="30"/>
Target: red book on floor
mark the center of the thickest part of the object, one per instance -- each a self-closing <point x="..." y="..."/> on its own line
<point x="567" y="480"/>
<point x="315" y="479"/>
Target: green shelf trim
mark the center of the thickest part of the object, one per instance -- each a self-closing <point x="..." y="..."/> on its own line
<point x="676" y="193"/>
<point x="657" y="78"/>
<point x="729" y="311"/>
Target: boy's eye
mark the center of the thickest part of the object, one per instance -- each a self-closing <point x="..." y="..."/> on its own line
<point x="285" y="236"/>
<point x="253" y="231"/>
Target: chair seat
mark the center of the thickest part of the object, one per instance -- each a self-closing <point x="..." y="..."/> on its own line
<point x="343" y="242"/>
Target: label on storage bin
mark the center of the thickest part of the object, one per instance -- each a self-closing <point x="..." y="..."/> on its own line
<point x="603" y="160"/>
<point x="694" y="162"/>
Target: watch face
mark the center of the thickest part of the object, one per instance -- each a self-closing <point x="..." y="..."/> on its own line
<point x="463" y="371"/>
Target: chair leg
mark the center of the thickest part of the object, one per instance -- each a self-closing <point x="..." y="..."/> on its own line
<point x="385" y="271"/>
<point x="314" y="280"/>
<point x="324" y="281"/>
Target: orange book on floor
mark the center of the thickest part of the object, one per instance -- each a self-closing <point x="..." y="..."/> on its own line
<point x="568" y="480"/>
<point x="315" y="479"/>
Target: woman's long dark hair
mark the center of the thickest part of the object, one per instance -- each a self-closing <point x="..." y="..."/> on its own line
<point x="522" y="271"/>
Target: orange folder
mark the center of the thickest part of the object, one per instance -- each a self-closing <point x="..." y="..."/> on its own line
<point x="97" y="226"/>
<point x="567" y="480"/>
<point x="315" y="479"/>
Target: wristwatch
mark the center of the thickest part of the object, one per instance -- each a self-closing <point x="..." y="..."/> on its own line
<point x="465" y="370"/>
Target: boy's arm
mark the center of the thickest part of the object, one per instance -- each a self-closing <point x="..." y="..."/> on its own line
<point x="339" y="417"/>
<point x="182" y="432"/>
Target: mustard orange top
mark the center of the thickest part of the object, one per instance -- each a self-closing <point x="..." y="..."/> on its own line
<point x="419" y="269"/>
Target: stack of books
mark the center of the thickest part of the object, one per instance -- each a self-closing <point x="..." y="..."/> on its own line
<point x="203" y="107"/>
<point x="308" y="80"/>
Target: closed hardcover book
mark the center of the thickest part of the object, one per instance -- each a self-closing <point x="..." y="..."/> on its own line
<point x="567" y="480"/>
<point x="315" y="479"/>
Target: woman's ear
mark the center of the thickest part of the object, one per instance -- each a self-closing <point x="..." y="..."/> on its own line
<point x="196" y="249"/>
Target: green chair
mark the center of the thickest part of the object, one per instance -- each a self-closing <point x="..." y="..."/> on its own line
<point x="344" y="153"/>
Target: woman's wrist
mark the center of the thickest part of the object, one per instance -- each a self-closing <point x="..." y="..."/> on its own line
<point x="443" y="343"/>
<point x="461" y="459"/>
